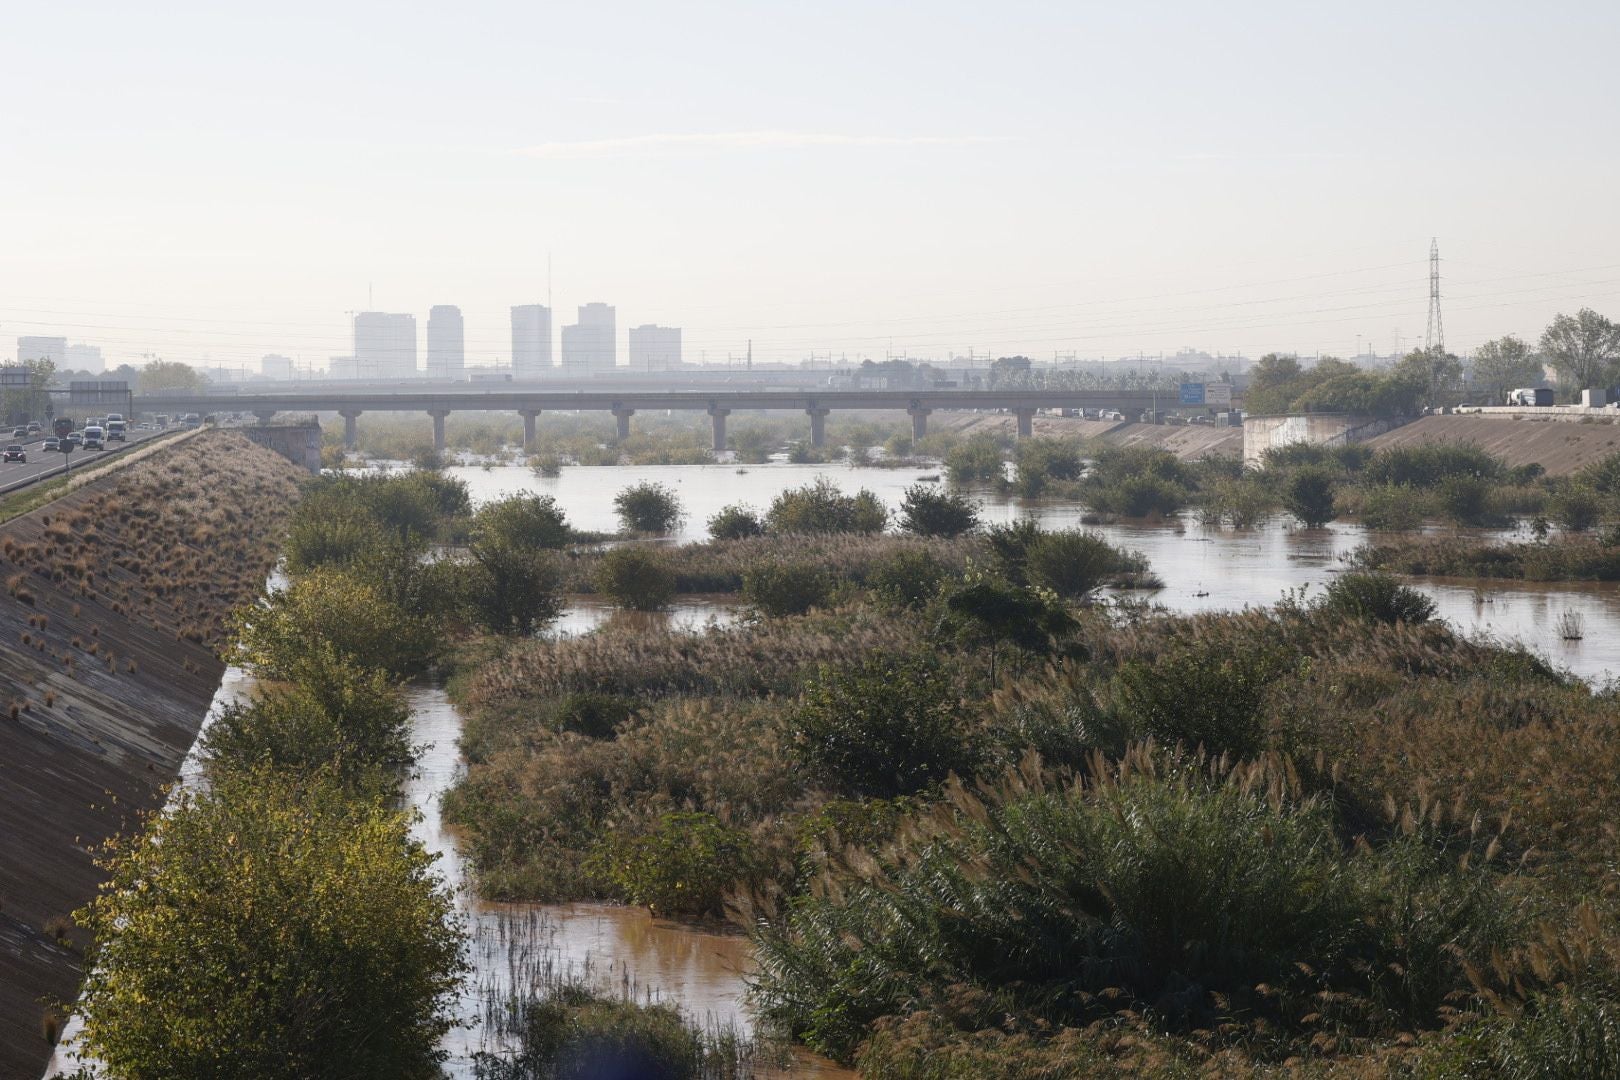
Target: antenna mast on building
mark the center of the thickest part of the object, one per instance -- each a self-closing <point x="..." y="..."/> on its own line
<point x="1435" y="339"/>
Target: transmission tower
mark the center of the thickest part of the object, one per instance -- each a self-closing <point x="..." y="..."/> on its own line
<point x="1435" y="339"/>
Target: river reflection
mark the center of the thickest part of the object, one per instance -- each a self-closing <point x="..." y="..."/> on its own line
<point x="514" y="946"/>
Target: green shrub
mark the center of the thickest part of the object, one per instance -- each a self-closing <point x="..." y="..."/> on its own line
<point x="682" y="866"/>
<point x="1576" y="507"/>
<point x="779" y="588"/>
<point x="332" y="714"/>
<point x="635" y="578"/>
<point x="246" y="903"/>
<point x="1009" y="548"/>
<point x="987" y="613"/>
<point x="1308" y="495"/>
<point x="820" y="507"/>
<point x="335" y="536"/>
<point x="1378" y="597"/>
<point x="735" y="523"/>
<point x="1391" y="509"/>
<point x="331" y="607"/>
<point x="523" y="521"/>
<point x="648" y="508"/>
<point x="1466" y="500"/>
<point x="928" y="511"/>
<point x="1074" y="563"/>
<point x="1429" y="464"/>
<point x="1041" y="460"/>
<point x="977" y="459"/>
<point x="1138" y="497"/>
<point x="887" y="727"/>
<point x="1205" y="693"/>
<point x="593" y="715"/>
<point x="512" y="588"/>
<point x="909" y="578"/>
<point x="1602" y="476"/>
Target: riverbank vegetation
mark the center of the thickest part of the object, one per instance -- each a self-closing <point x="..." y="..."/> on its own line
<point x="977" y="825"/>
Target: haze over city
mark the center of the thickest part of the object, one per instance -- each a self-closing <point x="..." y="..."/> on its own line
<point x="837" y="181"/>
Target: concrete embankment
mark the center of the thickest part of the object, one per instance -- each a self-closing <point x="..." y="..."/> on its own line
<point x="1188" y="442"/>
<point x="117" y="604"/>
<point x="1559" y="446"/>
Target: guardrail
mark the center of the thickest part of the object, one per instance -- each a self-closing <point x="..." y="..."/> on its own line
<point x="68" y="469"/>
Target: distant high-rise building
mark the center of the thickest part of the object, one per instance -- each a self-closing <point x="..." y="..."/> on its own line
<point x="655" y="348"/>
<point x="86" y="358"/>
<point x="279" y="368"/>
<point x="385" y="345"/>
<point x="531" y="340"/>
<point x="590" y="344"/>
<point x="53" y="349"/>
<point x="342" y="367"/>
<point x="446" y="343"/>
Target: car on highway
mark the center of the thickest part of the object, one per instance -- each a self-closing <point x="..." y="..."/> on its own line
<point x="20" y="433"/>
<point x="34" y="428"/>
<point x="94" y="437"/>
<point x="52" y="444"/>
<point x="15" y="452"/>
<point x="73" y="438"/>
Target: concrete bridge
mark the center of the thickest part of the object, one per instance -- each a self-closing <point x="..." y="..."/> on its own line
<point x="719" y="404"/>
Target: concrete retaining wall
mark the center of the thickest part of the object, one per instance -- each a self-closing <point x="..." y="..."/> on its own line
<point x="1263" y="433"/>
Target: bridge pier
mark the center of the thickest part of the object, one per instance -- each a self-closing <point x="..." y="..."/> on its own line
<point x="623" y="417"/>
<point x="1026" y="422"/>
<point x="438" y="427"/>
<point x="264" y="415"/>
<point x="717" y="416"/>
<point x="351" y="429"/>
<point x="818" y="425"/>
<point x="919" y="421"/>
<point x="528" y="427"/>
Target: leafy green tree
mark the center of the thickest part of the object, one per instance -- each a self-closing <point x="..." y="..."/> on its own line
<point x="332" y="607"/>
<point x="979" y="458"/>
<point x="1376" y="597"/>
<point x="928" y="511"/>
<point x="776" y="587"/>
<point x="682" y="866"/>
<point x="170" y="377"/>
<point x="513" y="588"/>
<point x="1308" y="495"/>
<point x="1073" y="563"/>
<point x="635" y="578"/>
<point x="821" y="508"/>
<point x="907" y="579"/>
<point x="1505" y="364"/>
<point x="1273" y="384"/>
<point x="1436" y="375"/>
<point x="271" y="926"/>
<point x="1584" y="348"/>
<point x="523" y="521"/>
<point x="332" y="714"/>
<point x="648" y="508"/>
<point x="18" y="405"/>
<point x="735" y="523"/>
<point x="988" y="613"/>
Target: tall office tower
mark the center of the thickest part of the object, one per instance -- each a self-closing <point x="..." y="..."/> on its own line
<point x="590" y="344"/>
<point x="655" y="348"/>
<point x="446" y="343"/>
<point x="279" y="368"/>
<point x="86" y="358"/>
<point x="42" y="348"/>
<point x="385" y="345"/>
<point x="531" y="341"/>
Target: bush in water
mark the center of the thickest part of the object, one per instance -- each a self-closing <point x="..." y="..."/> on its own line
<point x="636" y="578"/>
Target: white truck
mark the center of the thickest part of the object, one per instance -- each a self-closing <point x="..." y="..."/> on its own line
<point x="95" y="437"/>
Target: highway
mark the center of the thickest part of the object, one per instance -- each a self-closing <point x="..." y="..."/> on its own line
<point x="40" y="464"/>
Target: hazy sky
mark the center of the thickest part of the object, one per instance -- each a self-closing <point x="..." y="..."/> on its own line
<point x="221" y="180"/>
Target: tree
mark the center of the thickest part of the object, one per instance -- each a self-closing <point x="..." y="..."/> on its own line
<point x="1308" y="495"/>
<point x="332" y="607"/>
<point x="170" y="377"/>
<point x="271" y="925"/>
<point x="1273" y="384"/>
<point x="21" y="404"/>
<point x="1584" y="348"/>
<point x="635" y="578"/>
<point x="990" y="613"/>
<point x="513" y="588"/>
<point x="523" y="521"/>
<point x="1436" y="375"/>
<point x="648" y="508"/>
<point x="927" y="511"/>
<point x="1504" y="364"/>
<point x="821" y="508"/>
